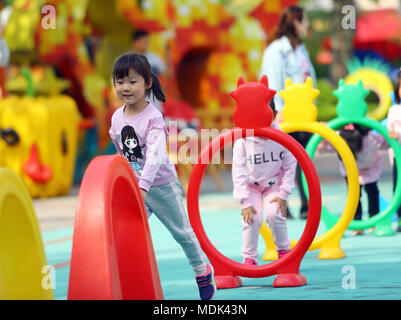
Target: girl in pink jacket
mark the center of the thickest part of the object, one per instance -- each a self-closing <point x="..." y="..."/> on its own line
<point x="140" y="135"/>
<point x="365" y="144"/>
<point x="263" y="174"/>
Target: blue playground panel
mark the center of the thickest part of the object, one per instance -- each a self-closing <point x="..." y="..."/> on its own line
<point x="375" y="260"/>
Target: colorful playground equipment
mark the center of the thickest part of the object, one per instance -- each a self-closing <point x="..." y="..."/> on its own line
<point x="300" y="114"/>
<point x="253" y="119"/>
<point x="193" y="37"/>
<point x="112" y="251"/>
<point x="39" y="139"/>
<point x="374" y="76"/>
<point x="22" y="255"/>
<point x="352" y="108"/>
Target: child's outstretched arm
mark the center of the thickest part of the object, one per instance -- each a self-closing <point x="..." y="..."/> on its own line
<point x="286" y="183"/>
<point x="287" y="175"/>
<point x="393" y="135"/>
<point x="378" y="140"/>
<point x="156" y="142"/>
<point x="325" y="147"/>
<point x="240" y="174"/>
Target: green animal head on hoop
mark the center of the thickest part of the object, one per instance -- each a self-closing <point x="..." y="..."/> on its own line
<point x="351" y="100"/>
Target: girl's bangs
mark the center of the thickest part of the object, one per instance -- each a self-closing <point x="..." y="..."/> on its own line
<point x="121" y="68"/>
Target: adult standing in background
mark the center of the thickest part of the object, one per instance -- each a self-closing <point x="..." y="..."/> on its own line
<point x="286" y="57"/>
<point x="140" y="44"/>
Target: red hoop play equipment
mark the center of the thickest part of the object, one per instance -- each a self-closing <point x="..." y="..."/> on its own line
<point x="253" y="112"/>
<point x="287" y="268"/>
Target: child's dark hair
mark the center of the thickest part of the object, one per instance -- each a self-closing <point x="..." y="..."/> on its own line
<point x="397" y="85"/>
<point x="139" y="33"/>
<point x="141" y="65"/>
<point x="354" y="138"/>
<point x="273" y="107"/>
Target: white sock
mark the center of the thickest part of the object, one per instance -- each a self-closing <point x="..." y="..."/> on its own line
<point x="200" y="270"/>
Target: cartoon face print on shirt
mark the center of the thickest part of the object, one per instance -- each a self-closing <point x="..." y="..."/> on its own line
<point x="132" y="150"/>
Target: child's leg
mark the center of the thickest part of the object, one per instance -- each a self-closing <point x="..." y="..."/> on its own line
<point x="394" y="184"/>
<point x="250" y="231"/>
<point x="373" y="198"/>
<point x="166" y="203"/>
<point x="276" y="221"/>
<point x="358" y="213"/>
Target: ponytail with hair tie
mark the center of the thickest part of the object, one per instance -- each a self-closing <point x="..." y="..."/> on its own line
<point x="156" y="88"/>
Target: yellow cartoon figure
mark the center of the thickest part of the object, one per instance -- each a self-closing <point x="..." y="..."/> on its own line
<point x="299" y="99"/>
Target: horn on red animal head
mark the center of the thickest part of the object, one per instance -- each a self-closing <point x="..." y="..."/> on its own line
<point x="241" y="81"/>
<point x="264" y="80"/>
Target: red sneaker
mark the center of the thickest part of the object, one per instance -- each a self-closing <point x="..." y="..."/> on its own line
<point x="250" y="262"/>
<point x="282" y="253"/>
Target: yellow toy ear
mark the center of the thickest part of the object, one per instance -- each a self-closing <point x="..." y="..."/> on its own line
<point x="288" y="82"/>
<point x="309" y="82"/>
<point x="316" y="93"/>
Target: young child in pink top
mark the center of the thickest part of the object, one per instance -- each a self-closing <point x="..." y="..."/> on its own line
<point x="140" y="135"/>
<point x="263" y="174"/>
<point x="365" y="145"/>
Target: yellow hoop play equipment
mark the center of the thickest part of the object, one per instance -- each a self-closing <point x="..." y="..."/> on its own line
<point x="373" y="78"/>
<point x="300" y="114"/>
<point x="22" y="255"/>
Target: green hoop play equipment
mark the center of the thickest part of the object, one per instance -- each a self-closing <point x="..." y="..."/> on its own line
<point x="352" y="109"/>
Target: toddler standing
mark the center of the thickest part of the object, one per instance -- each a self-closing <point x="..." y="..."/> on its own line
<point x="263" y="174"/>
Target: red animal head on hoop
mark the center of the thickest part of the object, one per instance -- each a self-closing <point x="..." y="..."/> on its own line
<point x="253" y="98"/>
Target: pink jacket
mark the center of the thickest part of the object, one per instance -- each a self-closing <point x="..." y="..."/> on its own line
<point x="261" y="162"/>
<point x="370" y="160"/>
<point x="142" y="140"/>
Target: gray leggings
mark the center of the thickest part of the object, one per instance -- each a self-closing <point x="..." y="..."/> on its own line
<point x="165" y="201"/>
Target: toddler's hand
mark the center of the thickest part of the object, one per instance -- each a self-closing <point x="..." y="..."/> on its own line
<point x="281" y="206"/>
<point x="248" y="213"/>
<point x="144" y="193"/>
<point x="393" y="134"/>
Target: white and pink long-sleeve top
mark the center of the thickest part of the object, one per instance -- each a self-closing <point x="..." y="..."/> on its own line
<point x="142" y="140"/>
<point x="261" y="162"/>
